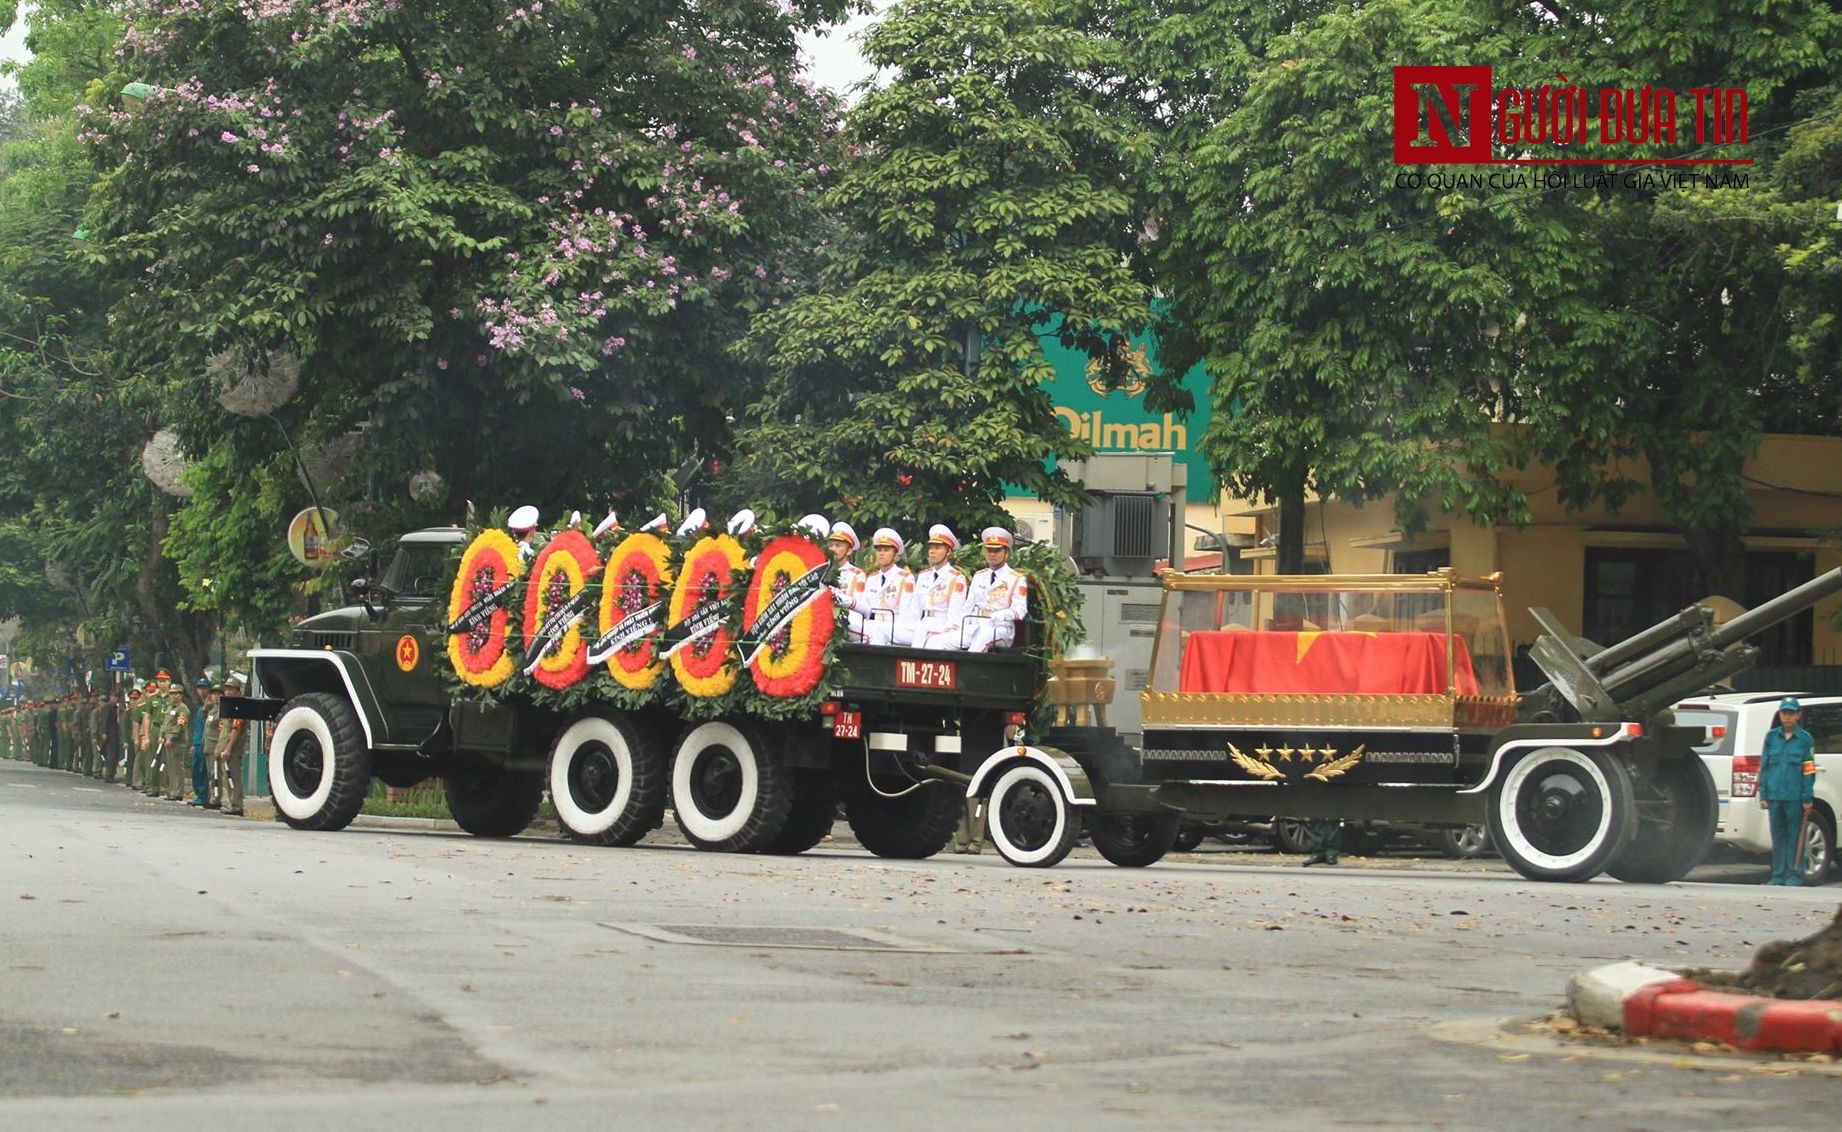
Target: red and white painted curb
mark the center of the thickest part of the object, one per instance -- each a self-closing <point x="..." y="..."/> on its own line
<point x="1649" y="1002"/>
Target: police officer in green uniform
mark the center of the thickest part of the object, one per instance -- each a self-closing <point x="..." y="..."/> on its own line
<point x="175" y="735"/>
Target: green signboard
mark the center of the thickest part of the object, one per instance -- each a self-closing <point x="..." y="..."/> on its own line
<point x="1116" y="420"/>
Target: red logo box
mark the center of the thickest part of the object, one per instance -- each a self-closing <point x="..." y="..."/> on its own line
<point x="1442" y="115"/>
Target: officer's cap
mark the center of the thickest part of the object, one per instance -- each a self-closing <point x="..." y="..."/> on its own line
<point x="523" y="519"/>
<point x="886" y="536"/>
<point x="996" y="536"/>
<point x="843" y="532"/>
<point x="696" y="521"/>
<point x="742" y="522"/>
<point x="818" y="526"/>
<point x="943" y="534"/>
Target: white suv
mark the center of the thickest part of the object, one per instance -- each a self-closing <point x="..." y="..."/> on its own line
<point x="1732" y="757"/>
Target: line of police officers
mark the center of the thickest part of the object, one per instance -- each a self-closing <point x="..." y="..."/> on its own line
<point x="153" y="738"/>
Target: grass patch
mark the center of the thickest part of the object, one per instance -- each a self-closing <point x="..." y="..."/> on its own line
<point x="424" y="800"/>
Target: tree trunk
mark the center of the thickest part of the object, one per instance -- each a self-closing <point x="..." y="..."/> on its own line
<point x="1291" y="556"/>
<point x="1791" y="968"/>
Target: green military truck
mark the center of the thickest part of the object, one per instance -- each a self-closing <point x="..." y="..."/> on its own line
<point x="363" y="692"/>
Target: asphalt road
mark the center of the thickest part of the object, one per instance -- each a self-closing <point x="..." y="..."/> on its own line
<point x="172" y="968"/>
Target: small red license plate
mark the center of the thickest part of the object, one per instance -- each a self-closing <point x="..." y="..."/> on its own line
<point x="941" y="674"/>
<point x="847" y="725"/>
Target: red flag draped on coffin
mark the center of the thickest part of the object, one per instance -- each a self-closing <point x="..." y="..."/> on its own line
<point x="1326" y="663"/>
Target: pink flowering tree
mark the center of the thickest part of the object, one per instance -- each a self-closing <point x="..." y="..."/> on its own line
<point x="508" y="243"/>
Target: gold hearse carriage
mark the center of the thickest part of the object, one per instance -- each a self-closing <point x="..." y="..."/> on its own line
<point x="1384" y="698"/>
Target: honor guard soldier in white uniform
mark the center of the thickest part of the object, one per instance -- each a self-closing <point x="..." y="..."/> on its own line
<point x="842" y="543"/>
<point x="999" y="597"/>
<point x="885" y="589"/>
<point x="931" y="618"/>
<point x="523" y="525"/>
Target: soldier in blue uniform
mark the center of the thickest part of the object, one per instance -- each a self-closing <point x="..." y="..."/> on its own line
<point x="1787" y="788"/>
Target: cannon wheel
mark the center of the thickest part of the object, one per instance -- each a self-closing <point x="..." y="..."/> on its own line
<point x="1677" y="810"/>
<point x="1558" y="814"/>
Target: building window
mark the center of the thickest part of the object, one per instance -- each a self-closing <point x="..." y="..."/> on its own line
<point x="1628" y="590"/>
<point x="1422" y="561"/>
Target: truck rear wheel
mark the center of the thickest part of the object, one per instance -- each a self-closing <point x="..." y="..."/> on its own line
<point x="1133" y="841"/>
<point x="810" y="818"/>
<point x="1030" y="822"/>
<point x="607" y="780"/>
<point x="319" y="766"/>
<point x="1558" y="814"/>
<point x="493" y="801"/>
<point x="1677" y="812"/>
<point x="911" y="827"/>
<point x="728" y="793"/>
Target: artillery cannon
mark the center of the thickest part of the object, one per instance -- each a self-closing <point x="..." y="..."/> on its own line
<point x="1388" y="697"/>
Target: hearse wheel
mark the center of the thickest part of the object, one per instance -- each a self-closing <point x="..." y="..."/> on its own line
<point x="728" y="792"/>
<point x="319" y="766"/>
<point x="1677" y="812"/>
<point x="1133" y="841"/>
<point x="1029" y="819"/>
<point x="1562" y="815"/>
<point x="491" y="801"/>
<point x="607" y="780"/>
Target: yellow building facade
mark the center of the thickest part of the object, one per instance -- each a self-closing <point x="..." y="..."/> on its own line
<point x="1603" y="574"/>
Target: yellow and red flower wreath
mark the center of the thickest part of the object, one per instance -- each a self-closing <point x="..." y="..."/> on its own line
<point x="639" y="570"/>
<point x="565" y="564"/>
<point x="793" y="661"/>
<point x="479" y="656"/>
<point x="708" y="572"/>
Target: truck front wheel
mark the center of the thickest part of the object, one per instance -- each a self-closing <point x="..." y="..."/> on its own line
<point x="1559" y="814"/>
<point x="728" y="793"/>
<point x="607" y="780"/>
<point x="1030" y="822"/>
<point x="319" y="767"/>
<point x="493" y="801"/>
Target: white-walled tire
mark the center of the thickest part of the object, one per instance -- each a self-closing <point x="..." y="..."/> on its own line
<point x="1558" y="814"/>
<point x="729" y="794"/>
<point x="1028" y="818"/>
<point x="607" y="780"/>
<point x="319" y="766"/>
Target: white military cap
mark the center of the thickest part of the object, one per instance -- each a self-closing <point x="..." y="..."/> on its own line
<point x="996" y="536"/>
<point x="523" y="519"/>
<point x="656" y="523"/>
<point x="742" y="522"/>
<point x="886" y="536"/>
<point x="694" y="522"/>
<point x="606" y="525"/>
<point x="842" y="531"/>
<point x="943" y="534"/>
<point x="818" y="526"/>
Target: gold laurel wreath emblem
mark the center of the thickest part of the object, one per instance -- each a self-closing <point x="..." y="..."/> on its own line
<point x="1327" y="771"/>
<point x="1254" y="766"/>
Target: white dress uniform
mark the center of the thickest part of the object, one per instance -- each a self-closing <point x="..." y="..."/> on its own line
<point x="931" y="617"/>
<point x="849" y="582"/>
<point x="523" y="524"/>
<point x="998" y="599"/>
<point x="883" y="593"/>
<point x="934" y="609"/>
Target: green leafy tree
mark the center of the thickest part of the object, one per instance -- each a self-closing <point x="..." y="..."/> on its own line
<point x="982" y="207"/>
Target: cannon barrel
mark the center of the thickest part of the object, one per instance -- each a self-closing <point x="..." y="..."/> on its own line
<point x="1652" y="669"/>
<point x="1682" y="654"/>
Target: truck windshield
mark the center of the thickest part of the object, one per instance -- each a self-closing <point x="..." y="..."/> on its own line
<point x="417" y="570"/>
